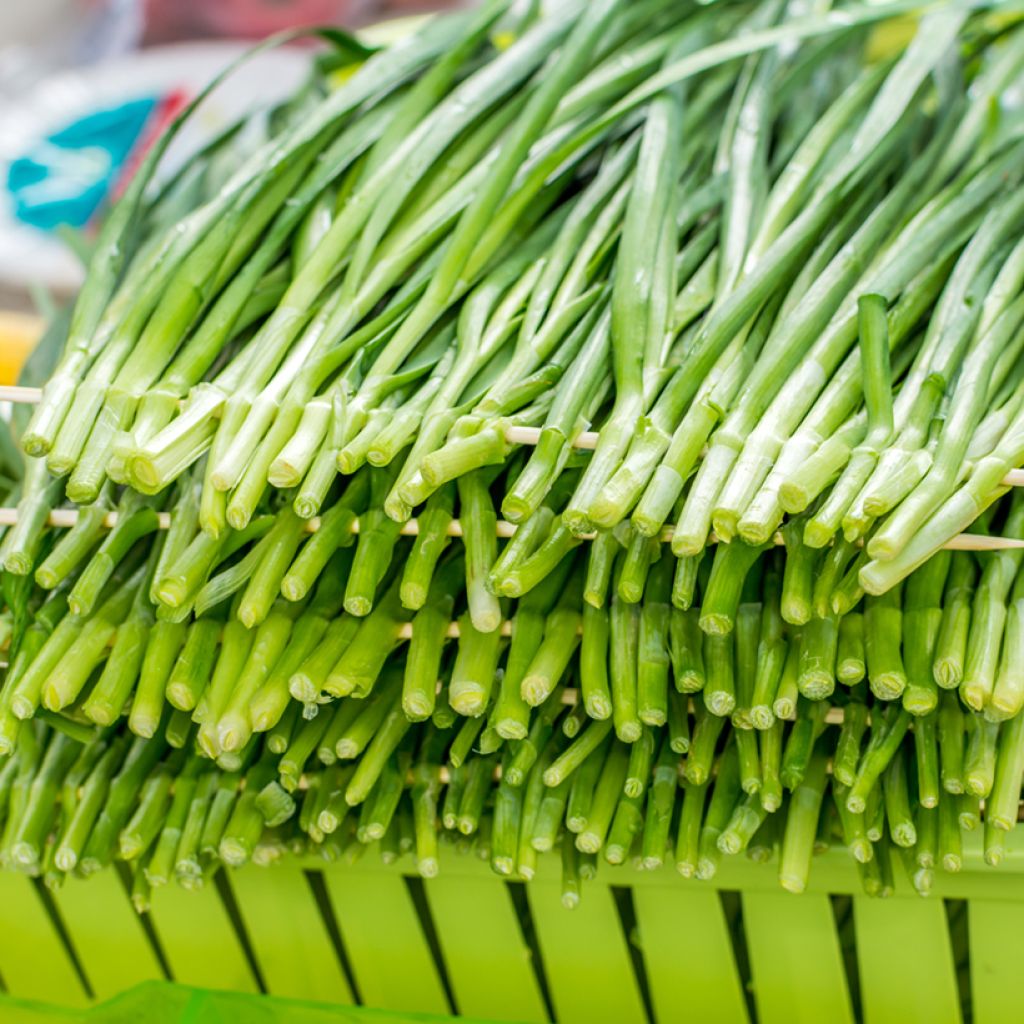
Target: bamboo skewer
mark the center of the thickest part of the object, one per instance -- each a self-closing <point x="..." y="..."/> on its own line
<point x="517" y="435"/>
<point x="64" y="518"/>
<point x="586" y="439"/>
<point x="19" y="395"/>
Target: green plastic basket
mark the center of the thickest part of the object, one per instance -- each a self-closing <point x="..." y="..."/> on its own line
<point x="165" y="1002"/>
<point x="640" y="947"/>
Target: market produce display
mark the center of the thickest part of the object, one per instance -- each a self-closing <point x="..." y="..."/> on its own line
<point x="555" y="430"/>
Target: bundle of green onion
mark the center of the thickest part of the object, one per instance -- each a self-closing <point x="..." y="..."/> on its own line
<point x="713" y="234"/>
<point x="611" y="684"/>
<point x="399" y="426"/>
<point x="332" y="785"/>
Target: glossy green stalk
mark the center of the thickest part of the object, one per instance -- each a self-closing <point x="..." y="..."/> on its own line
<point x="951" y="743"/>
<point x="885" y="741"/>
<point x="980" y="755"/>
<point x="701" y="755"/>
<point x="853" y="827"/>
<point x="122" y="669"/>
<point x="232" y="726"/>
<point x="431" y="541"/>
<point x="796" y="756"/>
<point x="624" y="622"/>
<point x="851" y="734"/>
<point x="362" y="661"/>
<point x="27" y="842"/>
<point x="748" y="628"/>
<point x="661" y="799"/>
<point x="801" y="826"/>
<point x="1008" y="691"/>
<point x="719" y="694"/>
<point x="816" y="673"/>
<point x="686" y="650"/>
<point x="689" y="829"/>
<point x="725" y="794"/>
<point x="561" y="637"/>
<point x="950" y="839"/>
<point x="771" y="654"/>
<point x="653" y="647"/>
<point x="186" y="670"/>
<point x="951" y="643"/>
<point x="788" y="691"/>
<point x="39" y="495"/>
<point x="605" y="799"/>
<point x="883" y="619"/>
<point x="798" y="577"/>
<point x="601" y="555"/>
<point x="71" y="673"/>
<point x="851" y="660"/>
<point x="684" y="585"/>
<point x="897" y="802"/>
<point x="136" y="518"/>
<point x="308" y="680"/>
<point x="74" y="546"/>
<point x="272" y="701"/>
<point x="721" y="599"/>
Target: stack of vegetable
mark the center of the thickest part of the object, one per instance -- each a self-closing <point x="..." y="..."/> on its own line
<point x="267" y="724"/>
<point x="407" y="443"/>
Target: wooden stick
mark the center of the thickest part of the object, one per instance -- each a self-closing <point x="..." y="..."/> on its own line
<point x="586" y="439"/>
<point x="20" y="395"/>
<point x="67" y="517"/>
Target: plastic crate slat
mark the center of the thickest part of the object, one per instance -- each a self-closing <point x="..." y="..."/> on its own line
<point x="995" y="929"/>
<point x="112" y="945"/>
<point x="390" y="956"/>
<point x="198" y="939"/>
<point x="34" y="962"/>
<point x="795" y="959"/>
<point x="487" y="959"/>
<point x="588" y="964"/>
<point x="906" y="961"/>
<point x="688" y="954"/>
<point x="288" y="934"/>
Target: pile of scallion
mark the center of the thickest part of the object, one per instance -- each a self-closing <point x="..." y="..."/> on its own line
<point x="549" y="430"/>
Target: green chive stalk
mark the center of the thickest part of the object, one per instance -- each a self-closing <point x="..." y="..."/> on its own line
<point x="725" y="794"/>
<point x="801" y="826"/>
<point x="624" y="634"/>
<point x="926" y="749"/>
<point x="661" y="800"/>
<point x="1008" y="692"/>
<point x="951" y="743"/>
<point x="896" y="794"/>
<point x="770" y="654"/>
<point x="980" y="755"/>
<point x="798" y="576"/>
<point x="851" y="660"/>
<point x="882" y="747"/>
<point x="686" y="650"/>
<point x="853" y="827"/>
<point x="706" y="732"/>
<point x="426" y="647"/>
<point x="653" y="657"/>
<point x="719" y="694"/>
<point x="951" y="643"/>
<point x="748" y="626"/>
<point x="689" y="829"/>
<point x="561" y="638"/>
<point x="883" y="618"/>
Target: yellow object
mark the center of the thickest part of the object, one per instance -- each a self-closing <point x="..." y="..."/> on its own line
<point x="382" y="33"/>
<point x="19" y="333"/>
<point x="890" y="38"/>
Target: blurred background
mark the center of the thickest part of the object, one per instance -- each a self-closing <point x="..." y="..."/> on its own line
<point x="86" y="85"/>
